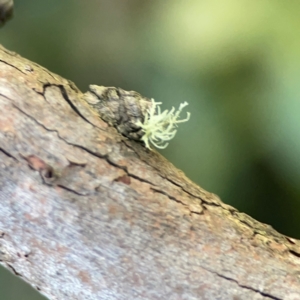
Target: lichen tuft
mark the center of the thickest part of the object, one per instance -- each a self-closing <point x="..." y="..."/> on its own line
<point x="160" y="127"/>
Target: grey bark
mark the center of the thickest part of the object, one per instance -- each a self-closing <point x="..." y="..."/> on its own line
<point x="86" y="213"/>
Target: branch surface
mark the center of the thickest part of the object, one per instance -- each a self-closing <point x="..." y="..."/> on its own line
<point x="87" y="214"/>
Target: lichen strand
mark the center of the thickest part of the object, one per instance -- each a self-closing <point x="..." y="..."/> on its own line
<point x="160" y="127"/>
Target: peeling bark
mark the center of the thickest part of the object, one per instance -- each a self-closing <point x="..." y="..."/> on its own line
<point x="87" y="214"/>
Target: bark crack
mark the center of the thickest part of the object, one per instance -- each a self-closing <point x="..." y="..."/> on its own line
<point x="107" y="159"/>
<point x="72" y="191"/>
<point x="7" y="154"/>
<point x="14" y="270"/>
<point x="67" y="99"/>
<point x="176" y="200"/>
<point x="8" y="64"/>
<point x="267" y="295"/>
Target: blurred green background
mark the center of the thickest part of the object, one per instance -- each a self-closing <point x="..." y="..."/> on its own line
<point x="236" y="62"/>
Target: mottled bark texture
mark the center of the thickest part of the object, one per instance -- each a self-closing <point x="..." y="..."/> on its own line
<point x="87" y="214"/>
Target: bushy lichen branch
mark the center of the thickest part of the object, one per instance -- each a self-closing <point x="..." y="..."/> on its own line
<point x="160" y="127"/>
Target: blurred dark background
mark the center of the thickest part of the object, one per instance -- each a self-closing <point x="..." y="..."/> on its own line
<point x="237" y="64"/>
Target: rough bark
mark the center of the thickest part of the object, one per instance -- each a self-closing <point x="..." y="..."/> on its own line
<point x="87" y="214"/>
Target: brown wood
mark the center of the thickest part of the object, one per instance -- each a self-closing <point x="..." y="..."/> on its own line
<point x="87" y="214"/>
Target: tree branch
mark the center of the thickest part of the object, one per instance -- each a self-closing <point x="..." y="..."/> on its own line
<point x="87" y="214"/>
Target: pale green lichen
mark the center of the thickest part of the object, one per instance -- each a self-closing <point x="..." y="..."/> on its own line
<point x="160" y="127"/>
